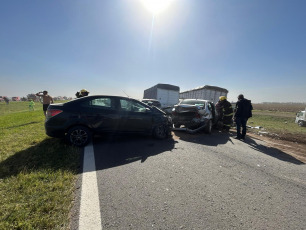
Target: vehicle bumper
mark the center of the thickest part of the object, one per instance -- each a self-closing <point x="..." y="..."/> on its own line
<point x="58" y="132"/>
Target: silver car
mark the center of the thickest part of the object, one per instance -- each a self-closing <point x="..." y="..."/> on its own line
<point x="194" y="114"/>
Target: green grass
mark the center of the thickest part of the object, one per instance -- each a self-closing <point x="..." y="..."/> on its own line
<point x="37" y="173"/>
<point x="276" y="122"/>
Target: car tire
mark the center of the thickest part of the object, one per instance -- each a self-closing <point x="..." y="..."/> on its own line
<point x="208" y="128"/>
<point x="177" y="125"/>
<point x="160" y="132"/>
<point x="79" y="136"/>
<point x="301" y="123"/>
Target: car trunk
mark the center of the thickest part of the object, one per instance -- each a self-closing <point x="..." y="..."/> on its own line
<point x="187" y="115"/>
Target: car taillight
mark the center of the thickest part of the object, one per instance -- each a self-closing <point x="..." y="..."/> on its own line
<point x="53" y="112"/>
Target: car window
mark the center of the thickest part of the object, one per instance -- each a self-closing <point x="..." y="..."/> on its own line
<point x="193" y="102"/>
<point x="103" y="103"/>
<point x="132" y="106"/>
<point x="209" y="105"/>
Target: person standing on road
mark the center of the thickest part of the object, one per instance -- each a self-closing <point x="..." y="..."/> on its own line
<point x="225" y="113"/>
<point x="243" y="113"/>
<point x="47" y="100"/>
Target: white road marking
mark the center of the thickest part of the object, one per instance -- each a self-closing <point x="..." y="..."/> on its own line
<point x="90" y="216"/>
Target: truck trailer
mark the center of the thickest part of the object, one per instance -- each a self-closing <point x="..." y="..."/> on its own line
<point x="167" y="95"/>
<point x="207" y="92"/>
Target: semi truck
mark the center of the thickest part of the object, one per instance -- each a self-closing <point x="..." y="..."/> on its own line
<point x="207" y="92"/>
<point x="300" y="118"/>
<point x="167" y="95"/>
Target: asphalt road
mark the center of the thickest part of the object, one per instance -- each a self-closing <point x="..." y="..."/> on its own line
<point x="198" y="182"/>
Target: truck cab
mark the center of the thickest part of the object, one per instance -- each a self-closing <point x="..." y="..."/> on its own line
<point x="300" y="118"/>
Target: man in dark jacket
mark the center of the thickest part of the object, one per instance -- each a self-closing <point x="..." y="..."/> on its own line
<point x="225" y="112"/>
<point x="243" y="113"/>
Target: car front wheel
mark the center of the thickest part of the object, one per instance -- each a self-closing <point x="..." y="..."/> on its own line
<point x="79" y="136"/>
<point x="160" y="132"/>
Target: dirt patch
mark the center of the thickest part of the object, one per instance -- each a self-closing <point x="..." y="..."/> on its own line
<point x="292" y="144"/>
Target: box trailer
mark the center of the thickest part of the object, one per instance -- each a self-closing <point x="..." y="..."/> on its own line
<point x="206" y="92"/>
<point x="167" y="95"/>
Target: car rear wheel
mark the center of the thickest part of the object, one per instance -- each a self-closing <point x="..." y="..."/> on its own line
<point x="208" y="128"/>
<point x="79" y="136"/>
<point x="160" y="132"/>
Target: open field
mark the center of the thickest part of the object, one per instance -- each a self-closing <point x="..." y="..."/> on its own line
<point x="280" y="107"/>
<point x="37" y="173"/>
<point x="278" y="120"/>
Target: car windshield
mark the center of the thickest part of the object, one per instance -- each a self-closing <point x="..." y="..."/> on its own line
<point x="193" y="102"/>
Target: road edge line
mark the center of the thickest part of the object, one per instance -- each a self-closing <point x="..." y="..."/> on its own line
<point x="90" y="215"/>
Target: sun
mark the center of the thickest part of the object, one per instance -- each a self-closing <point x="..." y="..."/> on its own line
<point x="156" y="6"/>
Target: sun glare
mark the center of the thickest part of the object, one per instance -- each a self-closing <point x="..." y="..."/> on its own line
<point x="156" y="6"/>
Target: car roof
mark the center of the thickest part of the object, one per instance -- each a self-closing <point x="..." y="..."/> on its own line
<point x="150" y="100"/>
<point x="195" y="100"/>
<point x="98" y="96"/>
<point x="112" y="96"/>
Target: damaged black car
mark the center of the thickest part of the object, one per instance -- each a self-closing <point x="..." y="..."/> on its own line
<point x="79" y="119"/>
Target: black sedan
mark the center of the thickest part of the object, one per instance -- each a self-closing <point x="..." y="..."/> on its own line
<point x="79" y="119"/>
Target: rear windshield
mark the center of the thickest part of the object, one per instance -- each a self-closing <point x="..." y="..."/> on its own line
<point x="193" y="102"/>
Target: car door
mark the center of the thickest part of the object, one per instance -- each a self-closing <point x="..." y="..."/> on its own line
<point x="135" y="117"/>
<point x="101" y="114"/>
<point x="212" y="109"/>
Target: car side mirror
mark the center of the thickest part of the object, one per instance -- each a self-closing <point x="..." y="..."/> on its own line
<point x="148" y="110"/>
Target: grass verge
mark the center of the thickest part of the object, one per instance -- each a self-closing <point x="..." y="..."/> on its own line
<point x="37" y="173"/>
<point x="279" y="124"/>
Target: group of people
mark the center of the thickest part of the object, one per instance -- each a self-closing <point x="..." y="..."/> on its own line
<point x="240" y="114"/>
<point x="47" y="99"/>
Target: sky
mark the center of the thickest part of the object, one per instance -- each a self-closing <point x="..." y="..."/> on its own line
<point x="122" y="47"/>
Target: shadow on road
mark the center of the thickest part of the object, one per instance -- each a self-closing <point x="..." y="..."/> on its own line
<point x="273" y="152"/>
<point x="219" y="138"/>
<point x="113" y="151"/>
<point x="214" y="139"/>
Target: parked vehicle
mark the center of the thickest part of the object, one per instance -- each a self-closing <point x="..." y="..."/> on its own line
<point x="151" y="102"/>
<point x="2" y="98"/>
<point x="195" y="115"/>
<point x="15" y="98"/>
<point x="211" y="93"/>
<point x="33" y="97"/>
<point x="167" y="95"/>
<point x="300" y="118"/>
<point x="79" y="119"/>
